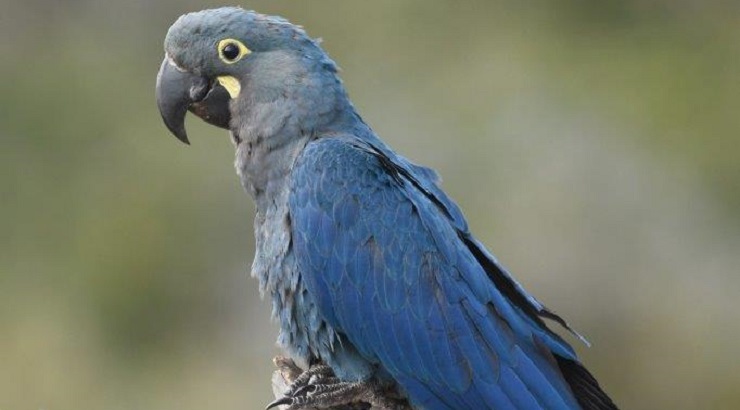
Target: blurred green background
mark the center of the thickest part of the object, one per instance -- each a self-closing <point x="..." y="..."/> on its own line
<point x="594" y="146"/>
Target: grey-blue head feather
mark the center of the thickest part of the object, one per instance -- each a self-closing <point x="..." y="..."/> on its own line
<point x="276" y="63"/>
<point x="192" y="40"/>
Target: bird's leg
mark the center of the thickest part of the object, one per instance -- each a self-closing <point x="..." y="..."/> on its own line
<point x="317" y="372"/>
<point x="319" y="388"/>
<point x="333" y="392"/>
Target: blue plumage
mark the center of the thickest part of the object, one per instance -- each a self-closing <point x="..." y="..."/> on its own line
<point x="403" y="287"/>
<point x="370" y="267"/>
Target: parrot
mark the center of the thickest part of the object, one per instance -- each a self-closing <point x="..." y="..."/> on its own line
<point x="375" y="279"/>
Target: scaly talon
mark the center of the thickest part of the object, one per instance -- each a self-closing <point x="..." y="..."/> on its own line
<point x="305" y="378"/>
<point x="319" y="388"/>
<point x="280" y="402"/>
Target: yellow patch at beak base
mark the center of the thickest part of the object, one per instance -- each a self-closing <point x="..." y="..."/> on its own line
<point x="231" y="84"/>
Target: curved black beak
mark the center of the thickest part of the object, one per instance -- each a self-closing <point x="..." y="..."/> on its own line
<point x="179" y="91"/>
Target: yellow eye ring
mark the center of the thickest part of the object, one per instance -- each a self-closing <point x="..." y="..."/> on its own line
<point x="231" y="50"/>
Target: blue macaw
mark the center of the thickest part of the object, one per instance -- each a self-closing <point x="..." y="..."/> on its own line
<point x="374" y="276"/>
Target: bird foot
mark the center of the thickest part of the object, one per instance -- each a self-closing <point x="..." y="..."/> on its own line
<point x="319" y="388"/>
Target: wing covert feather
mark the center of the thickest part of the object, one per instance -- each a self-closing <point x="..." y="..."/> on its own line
<point x="391" y="273"/>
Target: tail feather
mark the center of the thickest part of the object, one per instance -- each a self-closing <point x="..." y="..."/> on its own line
<point x="584" y="386"/>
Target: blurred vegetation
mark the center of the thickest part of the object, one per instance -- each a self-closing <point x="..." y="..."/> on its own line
<point x="593" y="145"/>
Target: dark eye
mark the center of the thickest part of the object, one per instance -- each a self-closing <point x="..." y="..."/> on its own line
<point x="230" y="51"/>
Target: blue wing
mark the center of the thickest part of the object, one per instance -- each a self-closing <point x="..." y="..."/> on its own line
<point x="393" y="269"/>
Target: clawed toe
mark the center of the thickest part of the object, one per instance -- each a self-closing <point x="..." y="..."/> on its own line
<point x="280" y="402"/>
<point x="306" y="378"/>
<point x="310" y="389"/>
<point x="319" y="388"/>
<point x="305" y="390"/>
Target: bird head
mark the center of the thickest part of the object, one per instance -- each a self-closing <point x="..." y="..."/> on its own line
<point x="221" y="63"/>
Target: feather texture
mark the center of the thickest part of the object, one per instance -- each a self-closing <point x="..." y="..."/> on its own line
<point x="402" y="280"/>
